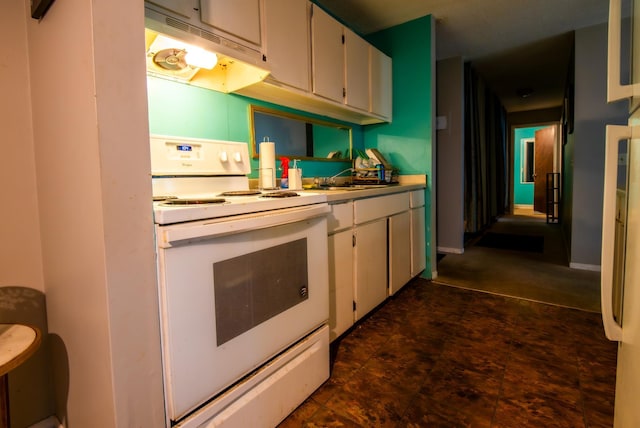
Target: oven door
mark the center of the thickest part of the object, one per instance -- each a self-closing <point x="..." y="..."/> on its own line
<point x="234" y="293"/>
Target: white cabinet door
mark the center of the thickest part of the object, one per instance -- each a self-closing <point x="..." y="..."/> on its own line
<point x="399" y="251"/>
<point x="356" y="70"/>
<point x="418" y="250"/>
<point x="340" y="282"/>
<point x="370" y="266"/>
<point x="181" y="7"/>
<point x="287" y="42"/>
<point x="328" y="56"/>
<point x="381" y="84"/>
<point x="240" y="18"/>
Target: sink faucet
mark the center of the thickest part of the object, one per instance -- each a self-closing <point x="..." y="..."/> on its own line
<point x="332" y="180"/>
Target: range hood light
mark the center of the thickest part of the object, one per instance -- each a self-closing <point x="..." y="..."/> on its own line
<point x="200" y="58"/>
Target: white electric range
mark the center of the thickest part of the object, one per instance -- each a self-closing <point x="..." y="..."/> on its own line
<point x="243" y="285"/>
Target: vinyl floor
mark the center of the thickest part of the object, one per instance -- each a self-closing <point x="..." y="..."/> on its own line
<point x="441" y="356"/>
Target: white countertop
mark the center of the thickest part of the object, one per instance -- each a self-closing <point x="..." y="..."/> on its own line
<point x="338" y="195"/>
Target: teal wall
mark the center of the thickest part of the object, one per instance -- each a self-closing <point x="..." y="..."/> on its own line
<point x="185" y="110"/>
<point x="522" y="192"/>
<point x="407" y="140"/>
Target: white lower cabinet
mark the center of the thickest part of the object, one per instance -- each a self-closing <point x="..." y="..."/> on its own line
<point x="376" y="245"/>
<point x="399" y="251"/>
<point x="370" y="266"/>
<point x="339" y="224"/>
<point x="418" y="245"/>
<point x="340" y="282"/>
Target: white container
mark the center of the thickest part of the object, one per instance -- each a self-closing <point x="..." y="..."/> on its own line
<point x="295" y="179"/>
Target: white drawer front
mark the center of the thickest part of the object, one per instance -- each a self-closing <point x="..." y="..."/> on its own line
<point x="417" y="198"/>
<point x="365" y="210"/>
<point x="341" y="217"/>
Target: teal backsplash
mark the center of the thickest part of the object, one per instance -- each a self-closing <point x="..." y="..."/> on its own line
<point x="179" y="109"/>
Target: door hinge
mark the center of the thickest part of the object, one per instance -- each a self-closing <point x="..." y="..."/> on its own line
<point x="343" y="39"/>
<point x="264" y="58"/>
<point x="353" y="240"/>
<point x="354" y="305"/>
<point x="344" y="92"/>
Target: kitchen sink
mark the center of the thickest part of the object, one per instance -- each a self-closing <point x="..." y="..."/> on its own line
<point x="347" y="187"/>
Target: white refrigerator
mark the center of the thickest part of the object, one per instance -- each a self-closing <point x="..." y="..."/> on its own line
<point x="621" y="224"/>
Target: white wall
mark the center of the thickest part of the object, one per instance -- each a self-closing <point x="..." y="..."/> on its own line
<point x="450" y="156"/>
<point x="20" y="253"/>
<point x="20" y="260"/>
<point x="90" y="129"/>
<point x="592" y="113"/>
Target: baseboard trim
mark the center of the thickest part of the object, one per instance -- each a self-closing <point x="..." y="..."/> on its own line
<point x="50" y="422"/>
<point x="450" y="250"/>
<point x="584" y="266"/>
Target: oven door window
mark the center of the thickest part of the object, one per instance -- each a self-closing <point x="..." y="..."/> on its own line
<point x="252" y="288"/>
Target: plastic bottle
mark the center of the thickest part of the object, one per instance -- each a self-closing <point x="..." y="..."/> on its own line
<point x="284" y="180"/>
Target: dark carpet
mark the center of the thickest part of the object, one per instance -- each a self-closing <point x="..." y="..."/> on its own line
<point x="512" y="242"/>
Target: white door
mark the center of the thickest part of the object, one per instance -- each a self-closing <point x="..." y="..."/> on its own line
<point x="340" y="282"/>
<point x="399" y="251"/>
<point x="627" y="411"/>
<point x="286" y="43"/>
<point x="371" y="266"/>
<point x="327" y="56"/>
<point x="356" y="70"/>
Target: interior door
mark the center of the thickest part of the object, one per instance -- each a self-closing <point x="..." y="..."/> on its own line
<point x="545" y="140"/>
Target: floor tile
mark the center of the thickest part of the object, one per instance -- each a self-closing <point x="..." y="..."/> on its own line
<point x="439" y="356"/>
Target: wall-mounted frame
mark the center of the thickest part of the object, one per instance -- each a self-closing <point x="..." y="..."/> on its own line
<point x="299" y="137"/>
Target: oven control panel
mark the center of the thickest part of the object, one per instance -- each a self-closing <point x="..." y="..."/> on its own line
<point x="194" y="156"/>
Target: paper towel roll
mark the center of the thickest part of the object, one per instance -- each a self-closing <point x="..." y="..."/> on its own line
<point x="295" y="179"/>
<point x="267" y="165"/>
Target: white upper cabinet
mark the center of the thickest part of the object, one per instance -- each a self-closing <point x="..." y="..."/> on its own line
<point x="184" y="8"/>
<point x="318" y="65"/>
<point x="239" y="18"/>
<point x="381" y="84"/>
<point x="356" y="70"/>
<point x="286" y="43"/>
<point x="328" y="56"/>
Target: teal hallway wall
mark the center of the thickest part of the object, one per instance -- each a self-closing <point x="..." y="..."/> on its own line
<point x="522" y="192"/>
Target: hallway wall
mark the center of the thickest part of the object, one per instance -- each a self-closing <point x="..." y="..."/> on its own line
<point x="450" y="156"/>
<point x="592" y="113"/>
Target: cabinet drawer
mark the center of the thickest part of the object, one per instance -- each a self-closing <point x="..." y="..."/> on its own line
<point x="341" y="217"/>
<point x="365" y="210"/>
<point x="417" y="198"/>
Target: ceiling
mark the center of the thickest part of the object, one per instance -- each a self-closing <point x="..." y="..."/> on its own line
<point x="514" y="45"/>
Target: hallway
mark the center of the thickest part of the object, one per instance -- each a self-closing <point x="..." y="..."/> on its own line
<point x="516" y="268"/>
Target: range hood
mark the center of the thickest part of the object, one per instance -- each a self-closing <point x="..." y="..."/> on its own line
<point x="238" y="64"/>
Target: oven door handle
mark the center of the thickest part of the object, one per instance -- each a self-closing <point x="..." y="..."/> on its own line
<point x="173" y="234"/>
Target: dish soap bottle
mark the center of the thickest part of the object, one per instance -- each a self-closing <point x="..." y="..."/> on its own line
<point x="284" y="180"/>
